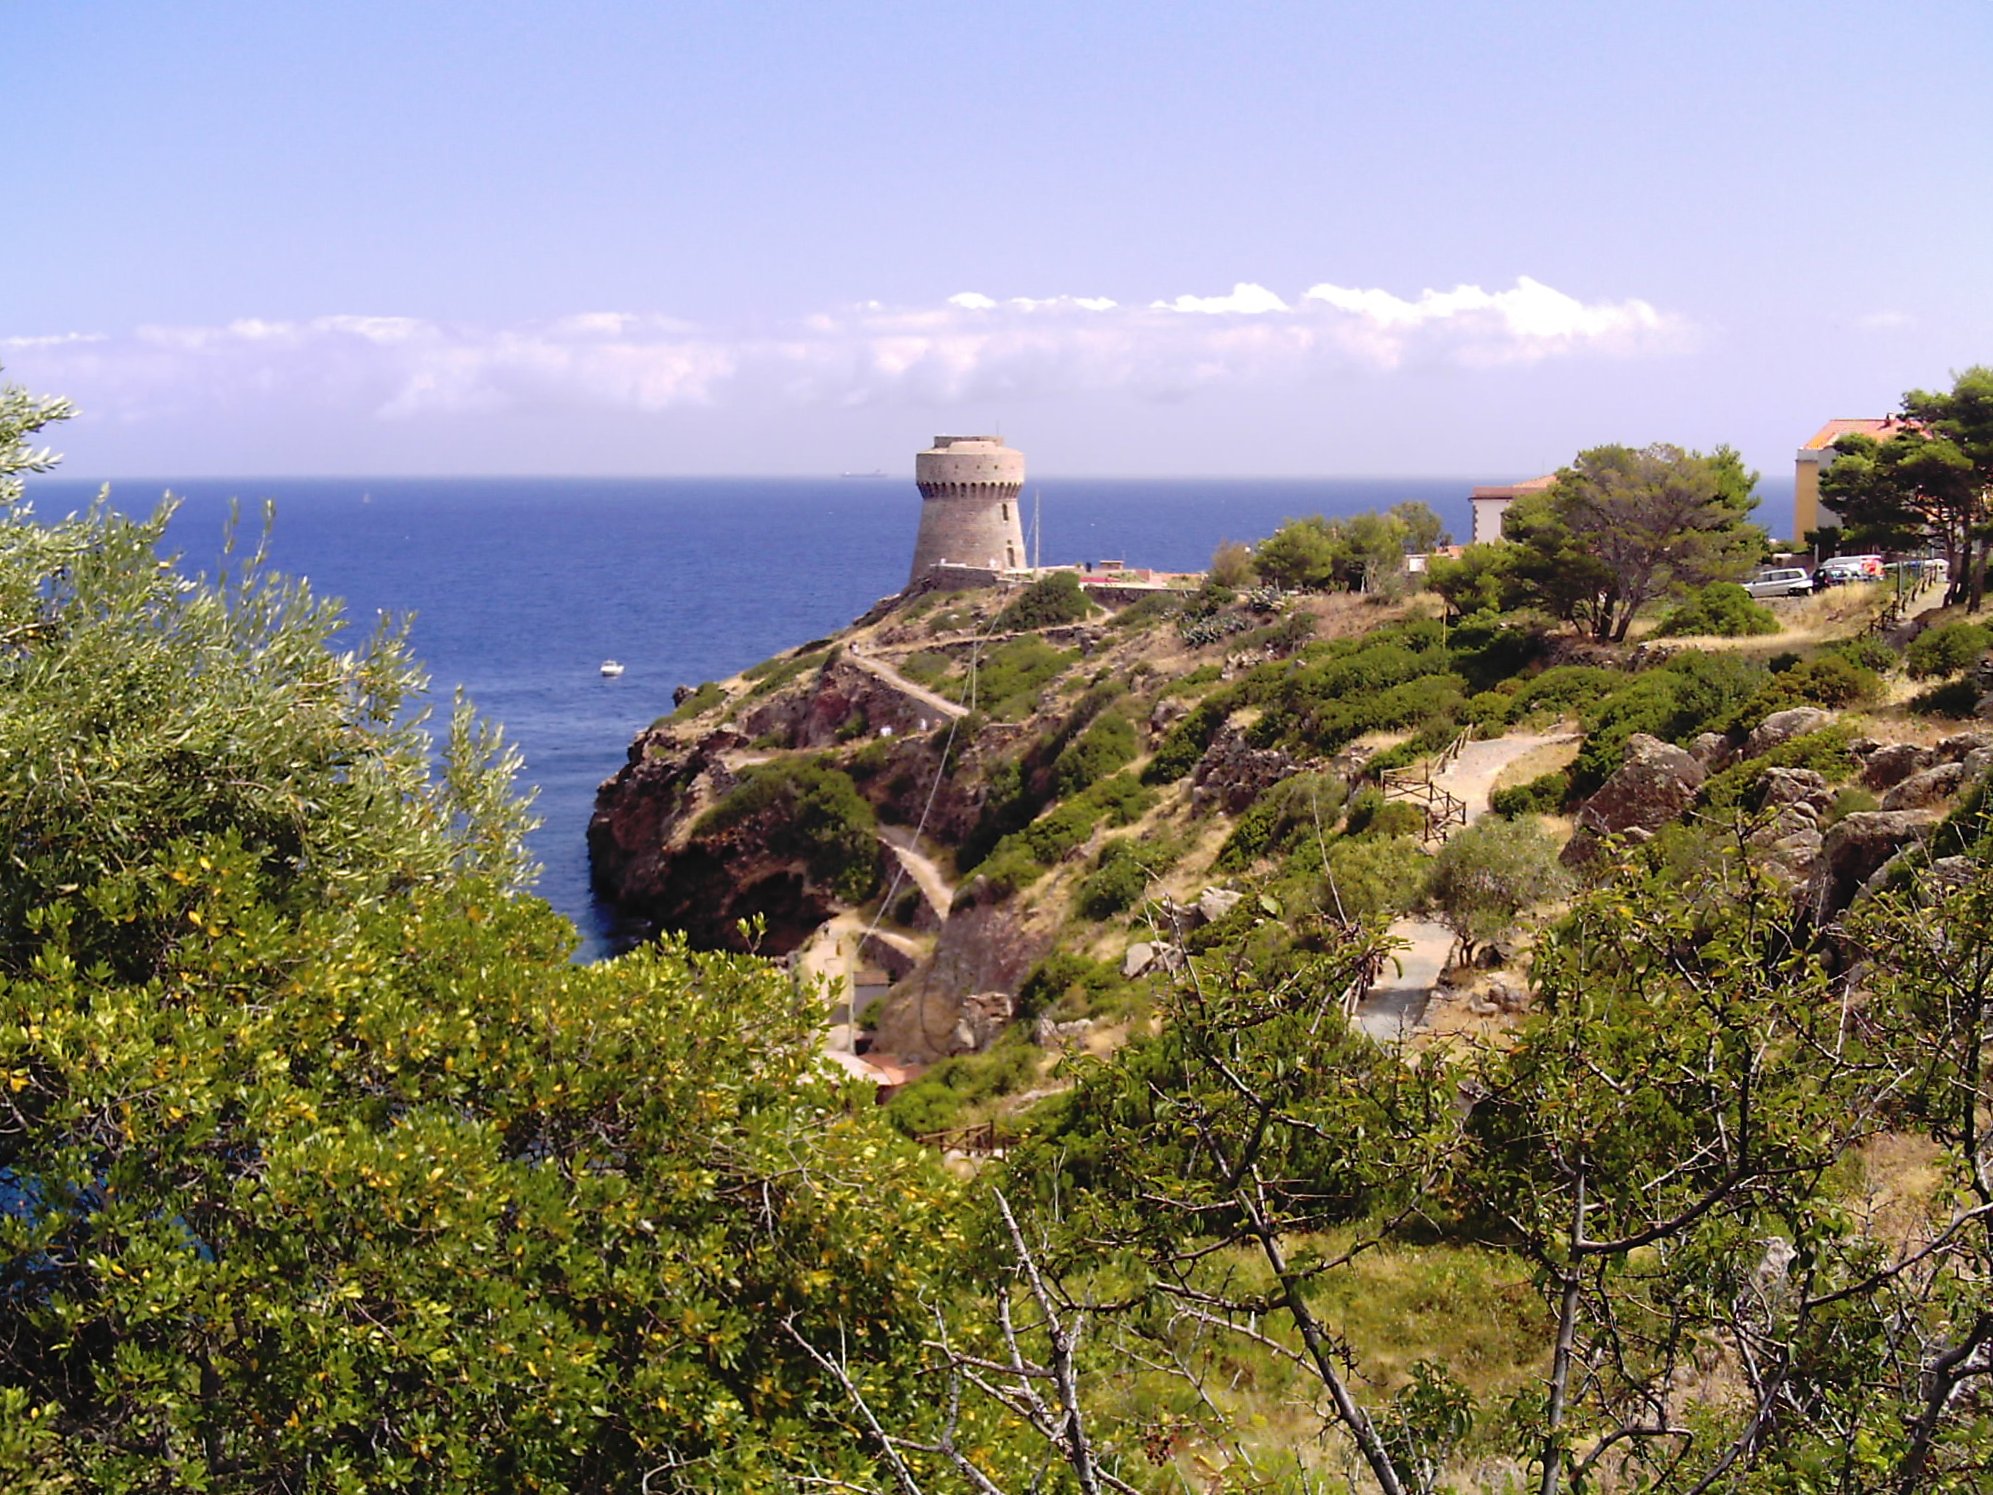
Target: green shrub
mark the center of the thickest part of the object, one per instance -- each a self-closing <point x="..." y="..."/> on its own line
<point x="1302" y="805"/>
<point x="1061" y="975"/>
<point x="1948" y="649"/>
<point x="816" y="814"/>
<point x="1186" y="741"/>
<point x="1051" y="600"/>
<point x="1957" y="699"/>
<point x="1831" y="679"/>
<point x="1118" y="882"/>
<point x="1156" y="608"/>
<point x="935" y="1102"/>
<point x="1375" y="875"/>
<point x="1720" y="610"/>
<point x="772" y="674"/>
<point x="1013" y="675"/>
<point x="927" y="667"/>
<point x="1566" y="690"/>
<point x="705" y="698"/>
<point x="1386" y="818"/>
<point x="1851" y="800"/>
<point x="1826" y="752"/>
<point x="1489" y="712"/>
<point x="1545" y="794"/>
<point x="1108" y="744"/>
<point x="1687" y="695"/>
<point x="1869" y="652"/>
<point x="1020" y="857"/>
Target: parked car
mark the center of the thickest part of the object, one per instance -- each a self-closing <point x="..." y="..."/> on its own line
<point x="1780" y="581"/>
<point x="1846" y="568"/>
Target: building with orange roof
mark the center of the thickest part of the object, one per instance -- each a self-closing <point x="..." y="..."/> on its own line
<point x="1489" y="504"/>
<point x="1818" y="453"/>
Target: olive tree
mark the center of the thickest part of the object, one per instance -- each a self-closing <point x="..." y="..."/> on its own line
<point x="321" y="1167"/>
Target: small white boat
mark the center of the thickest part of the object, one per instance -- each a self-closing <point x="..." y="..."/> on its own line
<point x="611" y="669"/>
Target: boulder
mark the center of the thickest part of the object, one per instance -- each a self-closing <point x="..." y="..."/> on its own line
<point x="1789" y="829"/>
<point x="981" y="1018"/>
<point x="1711" y="750"/>
<point x="1048" y="1034"/>
<point x="1854" y="850"/>
<point x="1934" y="786"/>
<point x="1957" y="749"/>
<point x="1214" y="903"/>
<point x="1893" y="762"/>
<point x="1786" y="787"/>
<point x="923" y="1025"/>
<point x="1141" y="955"/>
<point x="1655" y="784"/>
<point x="1782" y="726"/>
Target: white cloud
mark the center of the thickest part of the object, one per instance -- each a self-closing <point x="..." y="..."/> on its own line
<point x="1245" y="298"/>
<point x="970" y="347"/>
<point x="51" y="340"/>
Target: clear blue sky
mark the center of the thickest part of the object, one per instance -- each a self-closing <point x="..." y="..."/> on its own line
<point x="1141" y="238"/>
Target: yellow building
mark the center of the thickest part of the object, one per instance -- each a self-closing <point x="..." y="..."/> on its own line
<point x="1819" y="453"/>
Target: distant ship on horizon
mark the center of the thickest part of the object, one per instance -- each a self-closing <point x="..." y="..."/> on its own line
<point x="877" y="472"/>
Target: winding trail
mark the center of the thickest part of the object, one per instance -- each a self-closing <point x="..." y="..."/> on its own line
<point x="1396" y="1005"/>
<point x="879" y="670"/>
<point x="920" y="867"/>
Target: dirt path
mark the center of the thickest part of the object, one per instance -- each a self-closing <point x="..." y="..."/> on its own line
<point x="878" y="669"/>
<point x="1396" y="1005"/>
<point x="935" y="888"/>
<point x="1473" y="773"/>
<point x="1392" y="1008"/>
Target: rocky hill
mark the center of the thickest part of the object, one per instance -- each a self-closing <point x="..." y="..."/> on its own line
<point x="996" y="814"/>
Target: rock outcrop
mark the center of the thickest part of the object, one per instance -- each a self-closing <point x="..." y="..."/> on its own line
<point x="1232" y="773"/>
<point x="1781" y="727"/>
<point x="925" y="1025"/>
<point x="1653" y="787"/>
<point x="1854" y="850"/>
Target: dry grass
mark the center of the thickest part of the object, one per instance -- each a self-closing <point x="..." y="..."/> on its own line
<point x="1537" y="762"/>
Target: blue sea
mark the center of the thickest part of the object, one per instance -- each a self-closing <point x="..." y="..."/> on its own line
<point x="519" y="588"/>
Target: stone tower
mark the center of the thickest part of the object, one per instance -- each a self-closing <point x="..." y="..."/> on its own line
<point x="969" y="488"/>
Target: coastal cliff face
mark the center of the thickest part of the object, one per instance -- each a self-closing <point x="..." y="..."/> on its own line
<point x="1004" y="865"/>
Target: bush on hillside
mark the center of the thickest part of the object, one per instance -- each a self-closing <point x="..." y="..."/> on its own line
<point x="1957" y="700"/>
<point x="1545" y="794"/>
<point x="1053" y="599"/>
<point x="1948" y="649"/>
<point x="1118" y="881"/>
<point x="1721" y="609"/>
<point x="1109" y="743"/>
<point x="816" y="814"/>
